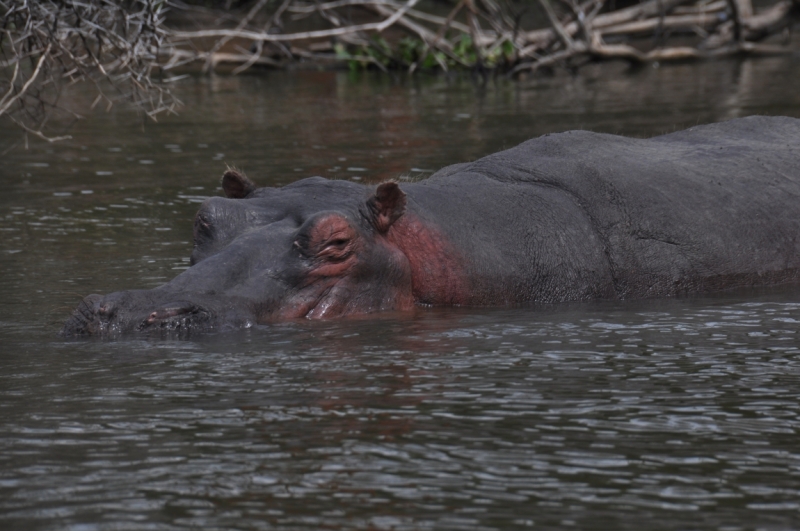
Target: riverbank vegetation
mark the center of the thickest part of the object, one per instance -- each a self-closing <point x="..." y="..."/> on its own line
<point x="131" y="49"/>
<point x="506" y="35"/>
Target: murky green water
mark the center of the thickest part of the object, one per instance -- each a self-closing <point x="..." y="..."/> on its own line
<point x="676" y="414"/>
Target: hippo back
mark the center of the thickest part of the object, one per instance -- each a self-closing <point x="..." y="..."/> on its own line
<point x="712" y="207"/>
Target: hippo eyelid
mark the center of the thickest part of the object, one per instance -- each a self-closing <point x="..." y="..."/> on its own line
<point x="336" y="250"/>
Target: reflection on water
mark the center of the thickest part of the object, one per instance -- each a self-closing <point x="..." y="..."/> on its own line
<point x="673" y="414"/>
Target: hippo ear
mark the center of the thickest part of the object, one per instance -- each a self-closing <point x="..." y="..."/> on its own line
<point x="236" y="185"/>
<point x="386" y="206"/>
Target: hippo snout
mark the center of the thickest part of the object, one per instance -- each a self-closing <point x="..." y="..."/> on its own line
<point x="129" y="311"/>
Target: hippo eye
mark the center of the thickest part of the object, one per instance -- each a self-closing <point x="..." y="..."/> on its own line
<point x="327" y="237"/>
<point x="336" y="249"/>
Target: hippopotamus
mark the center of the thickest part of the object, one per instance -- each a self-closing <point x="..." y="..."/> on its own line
<point x="573" y="216"/>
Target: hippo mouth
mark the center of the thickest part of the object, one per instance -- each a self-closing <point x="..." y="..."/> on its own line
<point x="175" y="317"/>
<point x="97" y="316"/>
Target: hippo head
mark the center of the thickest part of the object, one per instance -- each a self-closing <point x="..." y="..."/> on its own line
<point x="314" y="249"/>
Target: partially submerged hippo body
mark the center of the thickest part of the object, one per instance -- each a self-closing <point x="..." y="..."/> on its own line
<point x="566" y="217"/>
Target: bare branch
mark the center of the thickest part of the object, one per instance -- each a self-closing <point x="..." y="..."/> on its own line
<point x="111" y="44"/>
<point x="305" y="35"/>
<point x="19" y="95"/>
<point x="557" y="26"/>
<point x="38" y="133"/>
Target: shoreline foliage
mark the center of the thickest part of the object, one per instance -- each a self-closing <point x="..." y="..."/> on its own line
<point x="129" y="49"/>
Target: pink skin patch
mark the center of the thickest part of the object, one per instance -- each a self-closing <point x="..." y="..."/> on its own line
<point x="334" y="245"/>
<point x="335" y="285"/>
<point x="437" y="269"/>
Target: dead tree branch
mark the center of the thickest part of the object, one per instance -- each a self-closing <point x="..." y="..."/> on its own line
<point x="391" y="33"/>
<point x="48" y="44"/>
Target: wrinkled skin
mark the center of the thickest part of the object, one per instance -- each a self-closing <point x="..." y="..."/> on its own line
<point x="572" y="216"/>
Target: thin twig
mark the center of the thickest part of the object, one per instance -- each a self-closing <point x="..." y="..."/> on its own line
<point x="38" y="133"/>
<point x="557" y="26"/>
<point x="244" y="22"/>
<point x="304" y="35"/>
<point x="27" y="84"/>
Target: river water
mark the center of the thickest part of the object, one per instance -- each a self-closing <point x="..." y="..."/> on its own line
<point x="660" y="414"/>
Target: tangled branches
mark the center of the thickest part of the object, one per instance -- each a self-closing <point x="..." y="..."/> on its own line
<point x="486" y="34"/>
<point x="382" y="33"/>
<point x="711" y="28"/>
<point x="47" y="44"/>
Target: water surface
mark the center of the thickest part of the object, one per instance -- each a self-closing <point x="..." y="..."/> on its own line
<point x="665" y="414"/>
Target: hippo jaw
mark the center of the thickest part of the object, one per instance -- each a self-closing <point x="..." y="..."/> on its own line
<point x="326" y="264"/>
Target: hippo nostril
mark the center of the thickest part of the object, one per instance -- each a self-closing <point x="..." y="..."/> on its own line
<point x="106" y="309"/>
